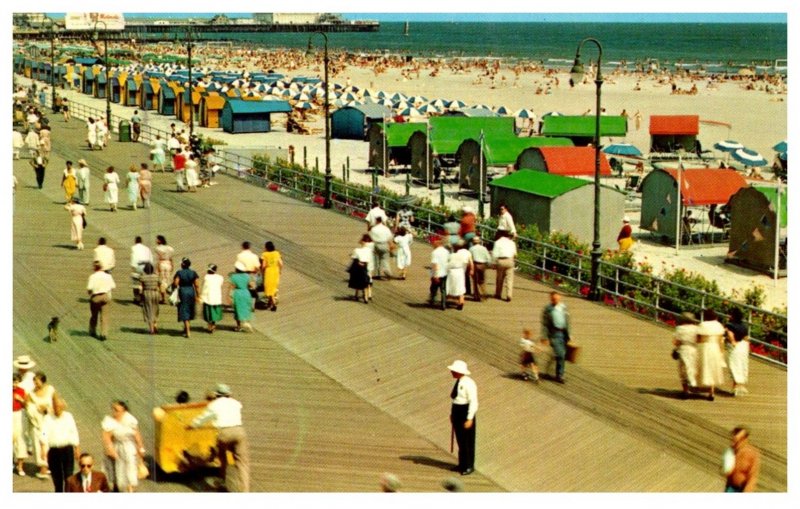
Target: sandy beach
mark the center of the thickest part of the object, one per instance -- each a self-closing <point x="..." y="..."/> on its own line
<point x="757" y="118"/>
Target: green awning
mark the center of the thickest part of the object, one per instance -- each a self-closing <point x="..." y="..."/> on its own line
<point x="448" y="133"/>
<point x="502" y="151"/>
<point x="398" y="133"/>
<point x="584" y="126"/>
<point x="772" y="195"/>
<point x="539" y="183"/>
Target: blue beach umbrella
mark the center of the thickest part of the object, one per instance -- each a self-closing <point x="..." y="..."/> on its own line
<point x="622" y="149"/>
<point x="728" y="145"/>
<point x="410" y="112"/>
<point x="524" y="113"/>
<point x="749" y="157"/>
<point x="502" y="110"/>
<point x="456" y="104"/>
<point x="428" y="108"/>
<point x="781" y="147"/>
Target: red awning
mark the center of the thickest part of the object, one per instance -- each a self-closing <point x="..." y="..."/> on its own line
<point x="571" y="161"/>
<point x="707" y="186"/>
<point x="675" y="125"/>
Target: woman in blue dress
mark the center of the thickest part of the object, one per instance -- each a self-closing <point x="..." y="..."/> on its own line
<point x="186" y="280"/>
<point x="240" y="279"/>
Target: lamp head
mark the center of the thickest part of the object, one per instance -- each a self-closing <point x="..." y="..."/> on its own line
<point x="577" y="72"/>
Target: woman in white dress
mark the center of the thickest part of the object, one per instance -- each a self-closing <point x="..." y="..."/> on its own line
<point x="91" y="133"/>
<point x="133" y="186"/>
<point x="123" y="446"/>
<point x="111" y="188"/>
<point x="211" y="296"/>
<point x="102" y="133"/>
<point x="192" y="179"/>
<point x="77" y="213"/>
<point x="32" y="141"/>
<point x="710" y="362"/>
<point x="456" y="281"/>
<point x="164" y="253"/>
<point x="737" y="346"/>
<point x="685" y="341"/>
<point x="158" y="154"/>
<point x="39" y="404"/>
<point x="403" y="241"/>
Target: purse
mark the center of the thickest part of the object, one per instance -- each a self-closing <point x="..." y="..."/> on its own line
<point x="84" y="221"/>
<point x="173" y="297"/>
<point x="675" y="354"/>
<point x="142" y="472"/>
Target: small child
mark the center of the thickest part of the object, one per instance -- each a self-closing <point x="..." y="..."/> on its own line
<point x="526" y="359"/>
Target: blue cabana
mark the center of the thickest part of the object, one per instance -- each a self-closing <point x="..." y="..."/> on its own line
<point x="240" y="116"/>
<point x="166" y="99"/>
<point x="88" y="81"/>
<point x="101" y="85"/>
<point x="148" y="99"/>
<point x="132" y="92"/>
<point x="352" y="122"/>
<point x="115" y="88"/>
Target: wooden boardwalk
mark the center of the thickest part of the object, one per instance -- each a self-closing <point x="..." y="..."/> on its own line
<point x="335" y="391"/>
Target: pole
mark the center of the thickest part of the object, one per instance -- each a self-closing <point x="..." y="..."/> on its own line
<point x="191" y="99"/>
<point x="385" y="149"/>
<point x="108" y="84"/>
<point x="777" y="234"/>
<point x="328" y="175"/>
<point x="52" y="63"/>
<point x="480" y="180"/>
<point x="678" y="214"/>
<point x="428" y="155"/>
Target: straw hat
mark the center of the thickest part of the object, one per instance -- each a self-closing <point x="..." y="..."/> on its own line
<point x="222" y="390"/>
<point x="82" y="162"/>
<point x="24" y="362"/>
<point x="626" y="219"/>
<point x="459" y="366"/>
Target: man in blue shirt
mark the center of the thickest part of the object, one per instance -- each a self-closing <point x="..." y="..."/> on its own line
<point x="555" y="328"/>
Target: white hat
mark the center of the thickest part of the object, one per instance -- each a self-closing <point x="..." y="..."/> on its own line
<point x="459" y="367"/>
<point x="467" y="209"/>
<point x="24" y="362"/>
<point x="626" y="219"/>
<point x="222" y="390"/>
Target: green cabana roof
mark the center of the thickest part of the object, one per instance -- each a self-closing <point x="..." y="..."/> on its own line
<point x="247" y="107"/>
<point x="772" y="195"/>
<point x="584" y="126"/>
<point x="398" y="133"/>
<point x="539" y="183"/>
<point x="447" y="133"/>
<point x="502" y="151"/>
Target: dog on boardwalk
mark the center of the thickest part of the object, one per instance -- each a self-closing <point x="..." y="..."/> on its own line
<point x="52" y="329"/>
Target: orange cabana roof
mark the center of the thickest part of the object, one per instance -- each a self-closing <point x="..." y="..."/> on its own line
<point x="572" y="161"/>
<point x="675" y="125"/>
<point x="214" y="101"/>
<point x="707" y="186"/>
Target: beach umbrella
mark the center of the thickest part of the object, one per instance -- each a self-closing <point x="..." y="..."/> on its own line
<point x="524" y="113"/>
<point x="781" y="147"/>
<point x="397" y="96"/>
<point x="417" y="99"/>
<point x="502" y="110"/>
<point x="728" y="145"/>
<point x="352" y="88"/>
<point x="782" y="156"/>
<point x="456" y="104"/>
<point x="304" y="105"/>
<point x="286" y="93"/>
<point x="349" y="96"/>
<point x="552" y="114"/>
<point x="749" y="157"/>
<point x="399" y="105"/>
<point x="385" y="101"/>
<point x="428" y="109"/>
<point x="269" y="98"/>
<point x="301" y="97"/>
<point x="481" y="107"/>
<point x="439" y="103"/>
<point x="622" y="149"/>
<point x="409" y="112"/>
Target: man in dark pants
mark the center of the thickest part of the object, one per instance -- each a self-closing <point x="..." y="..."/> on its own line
<point x="462" y="415"/>
<point x="555" y="329"/>
<point x="439" y="258"/>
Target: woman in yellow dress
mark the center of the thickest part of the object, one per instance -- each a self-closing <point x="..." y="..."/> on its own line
<point x="271" y="266"/>
<point x="69" y="182"/>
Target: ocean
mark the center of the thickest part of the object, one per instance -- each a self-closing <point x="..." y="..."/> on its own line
<point x="724" y="46"/>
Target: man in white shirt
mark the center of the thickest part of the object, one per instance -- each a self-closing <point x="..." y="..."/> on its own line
<point x="480" y="260"/>
<point x="506" y="222"/>
<point x="225" y="414"/>
<point x="99" y="289"/>
<point x="104" y="255"/>
<point x="439" y="258"/>
<point x="381" y="237"/>
<point x="462" y="415"/>
<point x="252" y="265"/>
<point x="140" y="255"/>
<point x="504" y="252"/>
<point x="374" y="213"/>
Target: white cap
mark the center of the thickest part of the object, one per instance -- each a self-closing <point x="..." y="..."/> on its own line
<point x="626" y="219"/>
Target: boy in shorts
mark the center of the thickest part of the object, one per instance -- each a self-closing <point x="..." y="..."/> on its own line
<point x="527" y="361"/>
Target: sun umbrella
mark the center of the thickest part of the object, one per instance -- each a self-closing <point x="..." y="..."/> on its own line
<point x="552" y="114"/>
<point x="622" y="149"/>
<point x="502" y="110"/>
<point x="524" y="113"/>
<point x="397" y="96"/>
<point x="302" y="96"/>
<point x="304" y="105"/>
<point x="417" y="99"/>
<point x="399" y="105"/>
<point x="428" y="108"/>
<point x="410" y="112"/>
<point x="349" y="96"/>
<point x="781" y="147"/>
<point x="456" y="104"/>
<point x="749" y="157"/>
<point x="728" y="145"/>
<point x="481" y="107"/>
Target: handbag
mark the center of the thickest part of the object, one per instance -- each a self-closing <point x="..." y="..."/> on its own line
<point x="675" y="355"/>
<point x="84" y="221"/>
<point x="173" y="297"/>
<point x="142" y="472"/>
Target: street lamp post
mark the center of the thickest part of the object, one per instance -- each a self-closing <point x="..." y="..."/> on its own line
<point x="191" y="98"/>
<point x="576" y="75"/>
<point x="328" y="176"/>
<point x="52" y="26"/>
<point x="107" y="65"/>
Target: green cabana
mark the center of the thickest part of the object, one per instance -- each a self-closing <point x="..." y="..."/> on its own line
<point x="501" y="151"/>
<point x="752" y="239"/>
<point x="397" y="135"/>
<point x="446" y="136"/>
<point x="581" y="129"/>
<point x="558" y="203"/>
